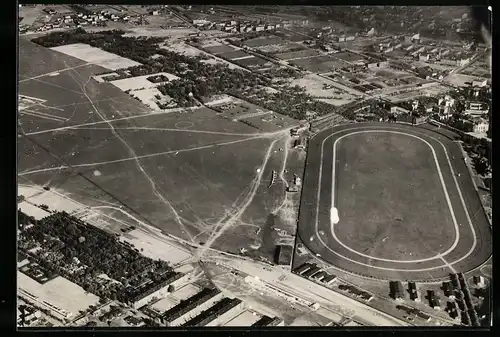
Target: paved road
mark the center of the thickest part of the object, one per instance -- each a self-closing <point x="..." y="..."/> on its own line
<point x="471" y="249"/>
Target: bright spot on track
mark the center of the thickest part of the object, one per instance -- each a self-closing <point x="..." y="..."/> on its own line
<point x="97" y="173"/>
<point x="334" y="216"/>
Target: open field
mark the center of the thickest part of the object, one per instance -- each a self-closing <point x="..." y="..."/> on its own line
<point x="253" y="62"/>
<point x="59" y="292"/>
<point x="95" y="55"/>
<point x="389" y="226"/>
<point x="183" y="48"/>
<point x="280" y="48"/>
<point x="139" y="82"/>
<point x="36" y="60"/>
<point x="32" y="210"/>
<point x="460" y="79"/>
<point x="173" y="33"/>
<point x="319" y="64"/>
<point x="298" y="54"/>
<point x="349" y="57"/>
<point x="315" y="86"/>
<point x="165" y="169"/>
<point x="220" y="49"/>
<point x="235" y="54"/>
<point x="156" y="249"/>
<point x="425" y="246"/>
<point x="263" y="41"/>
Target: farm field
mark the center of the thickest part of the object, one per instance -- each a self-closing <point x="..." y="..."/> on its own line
<point x="97" y="56"/>
<point x="220" y="49"/>
<point x="253" y="62"/>
<point x="280" y="48"/>
<point x="319" y="64"/>
<point x="263" y="41"/>
<point x="298" y="54"/>
<point x="235" y="54"/>
<point x="349" y="57"/>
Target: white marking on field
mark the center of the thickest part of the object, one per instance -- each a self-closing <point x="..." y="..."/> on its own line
<point x="243" y="58"/>
<point x="443" y="185"/>
<point x="95" y="55"/>
<point x="35" y="114"/>
<point x="52" y="72"/>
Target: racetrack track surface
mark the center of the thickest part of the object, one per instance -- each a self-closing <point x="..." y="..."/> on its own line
<point x="407" y="205"/>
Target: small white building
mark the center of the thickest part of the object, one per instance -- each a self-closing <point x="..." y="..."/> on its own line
<point x="480" y="83"/>
<point x="397" y="110"/>
<point x="423" y="57"/>
<point x="479" y="281"/>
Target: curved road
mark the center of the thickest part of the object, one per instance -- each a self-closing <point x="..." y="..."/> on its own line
<point x="469" y="241"/>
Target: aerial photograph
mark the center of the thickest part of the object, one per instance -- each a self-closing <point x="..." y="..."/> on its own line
<point x="253" y="166"/>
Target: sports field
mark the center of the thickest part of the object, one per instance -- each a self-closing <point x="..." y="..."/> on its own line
<point x="390" y="197"/>
<point x="406" y="203"/>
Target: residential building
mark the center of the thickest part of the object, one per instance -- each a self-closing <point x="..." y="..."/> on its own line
<point x="200" y="22"/>
<point x="483" y="83"/>
<point x="479" y="281"/>
<point x="481" y="126"/>
<point x="423" y="57"/>
<point x="397" y="110"/>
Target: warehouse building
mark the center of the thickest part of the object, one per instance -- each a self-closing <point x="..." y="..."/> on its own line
<point x="329" y="279"/>
<point x="302" y="269"/>
<point x="268" y="321"/>
<point x="283" y="255"/>
<point x="397" y="290"/>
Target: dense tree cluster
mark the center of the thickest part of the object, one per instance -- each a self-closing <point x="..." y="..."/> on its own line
<point x="113" y="41"/>
<point x="100" y="251"/>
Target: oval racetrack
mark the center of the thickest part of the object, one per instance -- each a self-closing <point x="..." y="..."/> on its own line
<point x="406" y="203"/>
